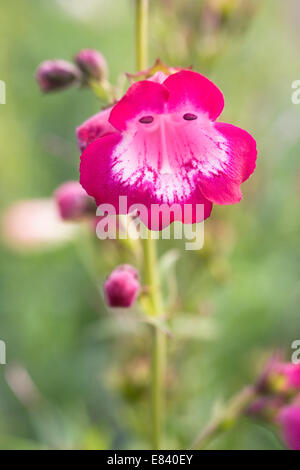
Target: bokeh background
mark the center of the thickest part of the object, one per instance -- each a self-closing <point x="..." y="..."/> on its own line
<point x="77" y="374"/>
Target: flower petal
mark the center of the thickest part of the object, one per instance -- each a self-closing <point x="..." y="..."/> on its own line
<point x="142" y="98"/>
<point x="289" y="420"/>
<point x="95" y="169"/>
<point x="95" y="127"/>
<point x="232" y="162"/>
<point x="190" y="90"/>
<point x="115" y="166"/>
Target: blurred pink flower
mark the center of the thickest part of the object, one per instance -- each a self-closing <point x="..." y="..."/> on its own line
<point x="289" y="421"/>
<point x="122" y="286"/>
<point x="166" y="148"/>
<point x="34" y="224"/>
<point x="73" y="202"/>
<point x="291" y="372"/>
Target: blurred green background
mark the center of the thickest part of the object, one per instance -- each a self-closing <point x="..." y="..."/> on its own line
<point x="76" y="374"/>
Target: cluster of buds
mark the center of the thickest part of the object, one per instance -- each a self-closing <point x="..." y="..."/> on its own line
<point x="89" y="65"/>
<point x="278" y="400"/>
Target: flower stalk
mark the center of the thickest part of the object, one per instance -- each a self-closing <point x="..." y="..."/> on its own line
<point x="103" y="90"/>
<point x="158" y="356"/>
<point x="226" y="418"/>
<point x="142" y="10"/>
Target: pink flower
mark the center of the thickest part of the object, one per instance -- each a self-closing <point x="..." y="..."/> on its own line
<point x="168" y="149"/>
<point x="72" y="201"/>
<point x="291" y="372"/>
<point x="289" y="420"/>
<point x="122" y="286"/>
<point x="95" y="127"/>
<point x="34" y="225"/>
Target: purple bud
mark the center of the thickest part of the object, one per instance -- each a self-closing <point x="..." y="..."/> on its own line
<point x="72" y="201"/>
<point x="92" y="64"/>
<point x="122" y="286"/>
<point x="54" y="75"/>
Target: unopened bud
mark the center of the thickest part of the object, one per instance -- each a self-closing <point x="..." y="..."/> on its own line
<point x="92" y="64"/>
<point x="73" y="202"/>
<point x="54" y="75"/>
<point x="95" y="127"/>
<point x="122" y="286"/>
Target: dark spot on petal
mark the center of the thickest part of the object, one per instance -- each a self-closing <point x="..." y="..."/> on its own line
<point x="146" y="119"/>
<point x="189" y="117"/>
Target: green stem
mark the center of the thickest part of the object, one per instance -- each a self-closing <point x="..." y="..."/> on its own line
<point x="152" y="276"/>
<point x="150" y="263"/>
<point x="142" y="9"/>
<point x="158" y="356"/>
<point x="225" y="419"/>
<point x="103" y="90"/>
<point x="157" y="385"/>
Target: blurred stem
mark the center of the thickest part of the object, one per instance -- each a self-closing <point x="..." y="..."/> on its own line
<point x="150" y="264"/>
<point x="142" y="9"/>
<point x="226" y="419"/>
<point x="157" y="385"/>
<point x="158" y="354"/>
<point x="103" y="89"/>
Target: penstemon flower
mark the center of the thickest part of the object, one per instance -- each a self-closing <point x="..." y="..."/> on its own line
<point x="167" y="148"/>
<point x="159" y="147"/>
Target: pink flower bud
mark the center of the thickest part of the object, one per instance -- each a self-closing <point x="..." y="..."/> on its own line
<point x="92" y="64"/>
<point x="122" y="286"/>
<point x="289" y="421"/>
<point x="54" y="75"/>
<point x="95" y="127"/>
<point x="72" y="201"/>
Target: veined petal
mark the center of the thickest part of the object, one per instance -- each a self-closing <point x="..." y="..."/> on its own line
<point x="142" y="98"/>
<point x="95" y="169"/>
<point x="232" y="161"/>
<point x="192" y="91"/>
<point x="117" y="165"/>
